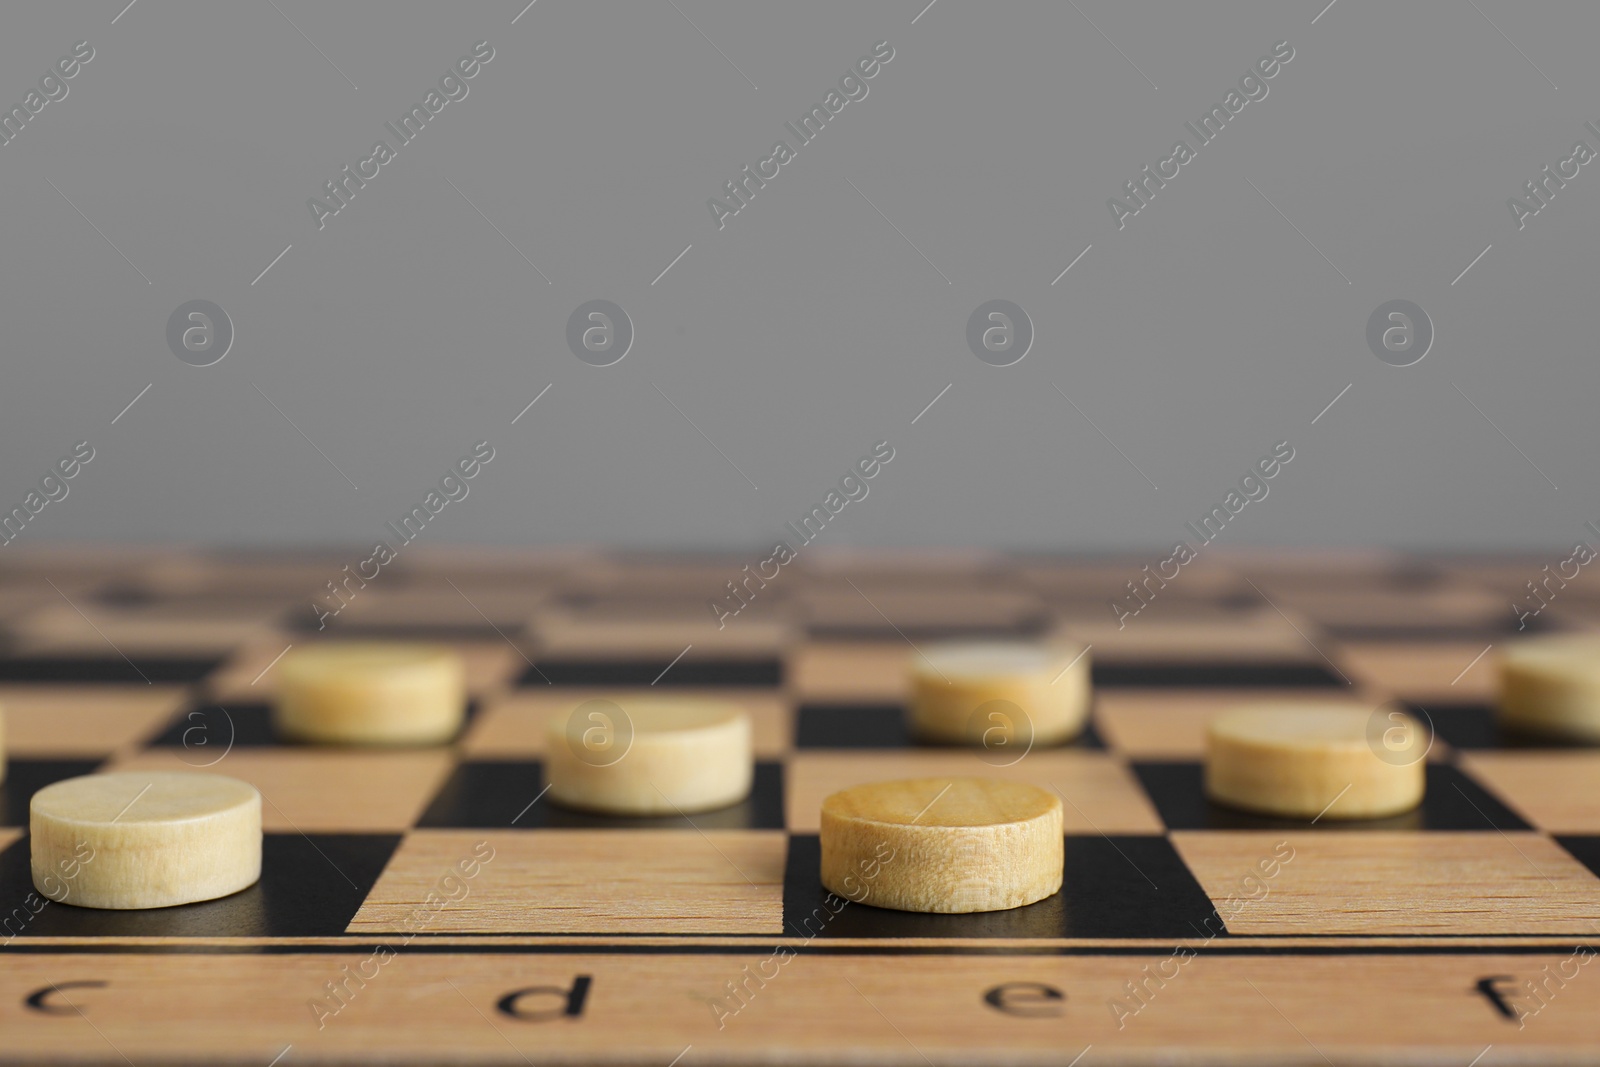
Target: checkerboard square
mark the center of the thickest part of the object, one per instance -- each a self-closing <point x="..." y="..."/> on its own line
<point x="207" y="728"/>
<point x="1423" y="670"/>
<point x="628" y="674"/>
<point x="105" y="670"/>
<point x="310" y="886"/>
<point x="851" y="671"/>
<point x="851" y="726"/>
<point x="1476" y="726"/>
<point x="326" y="790"/>
<point x="489" y="611"/>
<point x="1440" y="633"/>
<point x="868" y="630"/>
<point x="1451" y="801"/>
<point x="1117" y="886"/>
<point x="82" y="721"/>
<point x="1583" y="848"/>
<point x="25" y="777"/>
<point x="656" y="629"/>
<point x="152" y="629"/>
<point x="559" y="882"/>
<point x="1151" y="674"/>
<point x="379" y="630"/>
<point x="1351" y="607"/>
<point x="1558" y="792"/>
<point x="502" y="793"/>
<point x="901" y="611"/>
<point x="1390" y="883"/>
<point x="876" y="726"/>
<point x="1180" y="633"/>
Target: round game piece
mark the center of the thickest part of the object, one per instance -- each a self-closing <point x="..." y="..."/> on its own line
<point x="650" y="756"/>
<point x="1305" y="761"/>
<point x="144" y="840"/>
<point x="1551" y="685"/>
<point x="371" y="694"/>
<point x="949" y="845"/>
<point x="990" y="693"/>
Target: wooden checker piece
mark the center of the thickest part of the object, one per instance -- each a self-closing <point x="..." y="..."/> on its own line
<point x="953" y="845"/>
<point x="133" y="840"/>
<point x="370" y="694"/>
<point x="975" y="692"/>
<point x="1551" y="685"/>
<point x="649" y="755"/>
<point x="1311" y="761"/>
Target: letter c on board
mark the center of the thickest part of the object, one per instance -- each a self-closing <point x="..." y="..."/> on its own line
<point x="36" y="999"/>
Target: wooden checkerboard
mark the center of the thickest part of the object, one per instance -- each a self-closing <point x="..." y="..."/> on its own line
<point x="1464" y="926"/>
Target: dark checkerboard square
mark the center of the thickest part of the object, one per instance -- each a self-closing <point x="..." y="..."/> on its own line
<point x="639" y="674"/>
<point x="200" y="727"/>
<point x="484" y="794"/>
<point x="1451" y="801"/>
<point x="1474" y="726"/>
<point x="310" y="887"/>
<point x="302" y="621"/>
<point x="1584" y="849"/>
<point x="25" y="777"/>
<point x="1120" y="886"/>
<point x="992" y="631"/>
<point x="876" y="726"/>
<point x="106" y="670"/>
<point x="211" y="729"/>
<point x="1154" y="675"/>
<point x="1486" y="633"/>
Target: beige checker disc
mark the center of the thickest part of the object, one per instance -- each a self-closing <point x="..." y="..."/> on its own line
<point x="1551" y="685"/>
<point x="950" y="845"/>
<point x="361" y="693"/>
<point x="144" y="840"/>
<point x="650" y="755"/>
<point x="988" y="692"/>
<point x="1306" y="761"/>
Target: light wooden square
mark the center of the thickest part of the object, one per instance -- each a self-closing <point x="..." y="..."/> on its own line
<point x="1381" y="883"/>
<point x="1558" y="792"/>
<point x="1442" y="671"/>
<point x="964" y="564"/>
<point x="1086" y="589"/>
<point x="100" y="630"/>
<point x="659" y="631"/>
<point x="512" y="725"/>
<point x="610" y="882"/>
<point x="241" y="572"/>
<point x="1175" y="634"/>
<point x="83" y="720"/>
<point x="320" y="790"/>
<point x="1388" y="607"/>
<point x="883" y="606"/>
<point x="469" y="604"/>
<point x="851" y="671"/>
<point x="1100" y="792"/>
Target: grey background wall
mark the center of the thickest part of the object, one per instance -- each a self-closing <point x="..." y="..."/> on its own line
<point x="773" y="352"/>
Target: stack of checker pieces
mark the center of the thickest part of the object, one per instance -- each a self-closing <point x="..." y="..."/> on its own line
<point x="633" y="940"/>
